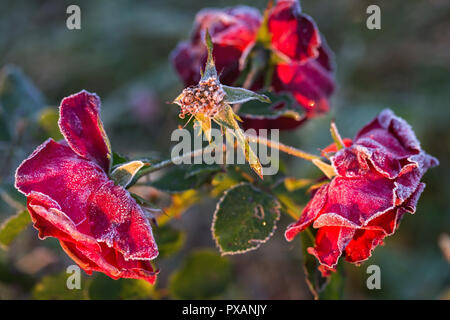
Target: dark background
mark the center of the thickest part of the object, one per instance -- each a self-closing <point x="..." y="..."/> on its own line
<point x="121" y="53"/>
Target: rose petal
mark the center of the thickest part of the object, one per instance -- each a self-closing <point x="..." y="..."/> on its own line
<point x="50" y="221"/>
<point x="54" y="170"/>
<point x="110" y="262"/>
<point x="411" y="203"/>
<point x="351" y="162"/>
<point x="294" y="34"/>
<point x="391" y="127"/>
<point x="311" y="83"/>
<point x="330" y="243"/>
<point x="378" y="181"/>
<point x="82" y="248"/>
<point x="361" y="246"/>
<point x="116" y="219"/>
<point x="80" y="124"/>
<point x="310" y="212"/>
<point x="81" y="204"/>
<point x="359" y="199"/>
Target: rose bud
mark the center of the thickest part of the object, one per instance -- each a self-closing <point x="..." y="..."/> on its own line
<point x="377" y="181"/>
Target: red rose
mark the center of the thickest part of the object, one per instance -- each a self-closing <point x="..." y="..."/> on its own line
<point x="307" y="72"/>
<point x="232" y="30"/>
<point x="377" y="182"/>
<point x="70" y="197"/>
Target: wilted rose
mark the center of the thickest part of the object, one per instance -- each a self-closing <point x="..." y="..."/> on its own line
<point x="377" y="181"/>
<point x="70" y="197"/>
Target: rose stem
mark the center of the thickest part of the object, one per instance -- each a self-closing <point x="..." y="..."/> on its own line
<point x="270" y="143"/>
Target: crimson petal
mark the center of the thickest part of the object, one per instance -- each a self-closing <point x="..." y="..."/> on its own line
<point x="330" y="243"/>
<point x="54" y="170"/>
<point x="98" y="223"/>
<point x="310" y="212"/>
<point x="116" y="219"/>
<point x="361" y="246"/>
<point x="80" y="124"/>
<point x="358" y="200"/>
<point x="294" y="34"/>
<point x="110" y="262"/>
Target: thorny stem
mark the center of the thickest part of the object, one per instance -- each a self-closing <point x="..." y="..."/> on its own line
<point x="252" y="138"/>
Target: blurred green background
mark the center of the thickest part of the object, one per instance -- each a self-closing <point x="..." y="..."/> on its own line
<point x="121" y="53"/>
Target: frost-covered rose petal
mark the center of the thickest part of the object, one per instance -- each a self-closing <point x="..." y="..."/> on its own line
<point x="56" y="171"/>
<point x="294" y="34"/>
<point x="377" y="182"/>
<point x="84" y="249"/>
<point x="310" y="212"/>
<point x="311" y="83"/>
<point x="330" y="243"/>
<point x="80" y="124"/>
<point x="70" y="197"/>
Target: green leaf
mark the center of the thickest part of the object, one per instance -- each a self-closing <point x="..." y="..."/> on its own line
<point x="169" y="240"/>
<point x="281" y="105"/>
<point x="144" y="202"/>
<point x="13" y="226"/>
<point x="54" y="287"/>
<point x="226" y="118"/>
<point x="201" y="169"/>
<point x="18" y="95"/>
<point x="124" y="173"/>
<point x="175" y="181"/>
<point x="48" y="120"/>
<point x="105" y="288"/>
<point x="245" y="218"/>
<point x="210" y="67"/>
<point x="118" y="159"/>
<point x="181" y="178"/>
<point x="204" y="275"/>
<point x="240" y="95"/>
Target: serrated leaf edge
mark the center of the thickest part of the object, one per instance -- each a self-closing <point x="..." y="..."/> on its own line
<point x="258" y="242"/>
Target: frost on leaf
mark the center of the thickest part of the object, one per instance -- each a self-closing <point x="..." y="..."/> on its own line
<point x="245" y="218"/>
